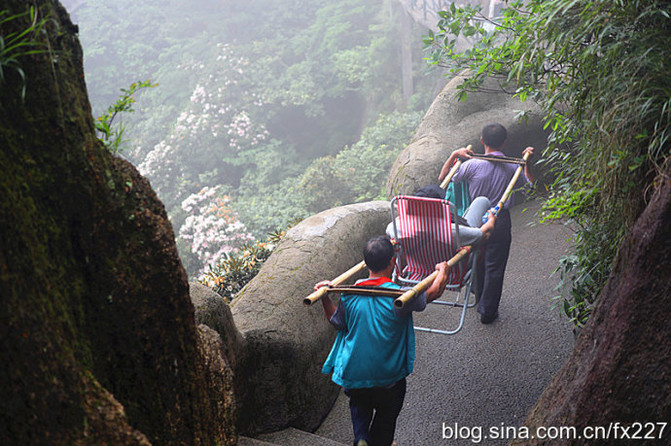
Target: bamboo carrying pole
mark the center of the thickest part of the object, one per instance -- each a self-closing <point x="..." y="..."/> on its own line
<point x="366" y="291"/>
<point x="426" y="283"/>
<point x="499" y="159"/>
<point x="453" y="170"/>
<point x="449" y="176"/>
<point x="509" y="189"/>
<point x="321" y="292"/>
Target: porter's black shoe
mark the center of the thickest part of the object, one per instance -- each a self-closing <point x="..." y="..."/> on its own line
<point x="488" y="319"/>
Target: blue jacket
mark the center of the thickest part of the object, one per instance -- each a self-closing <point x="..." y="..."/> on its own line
<point x="375" y="346"/>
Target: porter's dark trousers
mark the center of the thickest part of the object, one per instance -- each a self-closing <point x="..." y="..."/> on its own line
<point x="374" y="412"/>
<point x="492" y="266"/>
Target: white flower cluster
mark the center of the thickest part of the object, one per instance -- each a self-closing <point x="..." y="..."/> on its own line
<point x="211" y="229"/>
<point x="160" y="161"/>
<point x="216" y="124"/>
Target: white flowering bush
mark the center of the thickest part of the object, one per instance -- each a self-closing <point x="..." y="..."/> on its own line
<point x="211" y="229"/>
<point x="208" y="141"/>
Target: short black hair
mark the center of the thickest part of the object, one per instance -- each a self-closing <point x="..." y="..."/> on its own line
<point x="378" y="253"/>
<point x="494" y="135"/>
<point x="431" y="191"/>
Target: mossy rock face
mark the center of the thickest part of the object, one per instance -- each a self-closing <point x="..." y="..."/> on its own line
<point x="99" y="340"/>
<point x="450" y="124"/>
<point x="288" y="342"/>
<point x="620" y="369"/>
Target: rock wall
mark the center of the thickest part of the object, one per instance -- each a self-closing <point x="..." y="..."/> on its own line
<point x="620" y="369"/>
<point x="99" y="343"/>
<point x="281" y="383"/>
<point x="449" y="125"/>
<point x="213" y="311"/>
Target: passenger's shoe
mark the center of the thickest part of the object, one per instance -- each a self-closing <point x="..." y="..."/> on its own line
<point x="489" y="319"/>
<point x="362" y="443"/>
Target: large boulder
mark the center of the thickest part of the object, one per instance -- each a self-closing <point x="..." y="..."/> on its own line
<point x="450" y="124"/>
<point x="219" y="385"/>
<point x="99" y="343"/>
<point x="286" y="342"/>
<point x="212" y="310"/>
<point x="620" y="369"/>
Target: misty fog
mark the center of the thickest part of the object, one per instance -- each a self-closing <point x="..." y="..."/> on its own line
<point x="264" y="112"/>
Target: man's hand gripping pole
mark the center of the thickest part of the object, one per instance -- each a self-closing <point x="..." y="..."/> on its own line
<point x="453" y="170"/>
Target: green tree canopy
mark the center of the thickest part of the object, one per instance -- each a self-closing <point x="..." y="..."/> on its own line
<point x="251" y="95"/>
<point x="599" y="69"/>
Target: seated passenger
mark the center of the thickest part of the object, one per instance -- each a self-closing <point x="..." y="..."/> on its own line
<point x="471" y="228"/>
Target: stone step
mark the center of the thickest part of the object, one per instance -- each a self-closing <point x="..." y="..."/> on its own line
<point x="246" y="441"/>
<point x="288" y="437"/>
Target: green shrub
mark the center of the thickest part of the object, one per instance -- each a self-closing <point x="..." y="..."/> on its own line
<point x="231" y="273"/>
<point x="235" y="270"/>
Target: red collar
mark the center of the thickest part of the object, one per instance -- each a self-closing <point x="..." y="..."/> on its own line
<point x="374" y="282"/>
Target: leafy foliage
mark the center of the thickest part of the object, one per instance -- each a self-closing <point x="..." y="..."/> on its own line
<point x="599" y="69"/>
<point x="112" y="136"/>
<point x="16" y="45"/>
<point x="233" y="271"/>
<point x="357" y="173"/>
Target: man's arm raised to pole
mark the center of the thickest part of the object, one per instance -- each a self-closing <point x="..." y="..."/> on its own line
<point x="451" y="166"/>
<point x="323" y="290"/>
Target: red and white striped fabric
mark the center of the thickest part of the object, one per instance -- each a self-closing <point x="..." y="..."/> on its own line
<point x="426" y="238"/>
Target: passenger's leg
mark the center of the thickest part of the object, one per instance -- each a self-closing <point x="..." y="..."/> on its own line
<point x="476" y="210"/>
